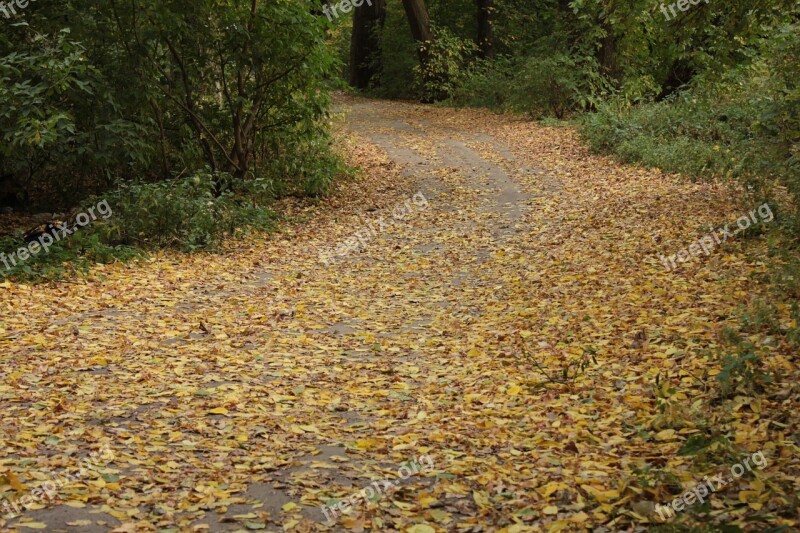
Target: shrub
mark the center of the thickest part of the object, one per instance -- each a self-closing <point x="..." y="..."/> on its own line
<point x="557" y="84"/>
<point x="744" y="125"/>
<point x="51" y="142"/>
<point x="184" y="213"/>
<point x="485" y="84"/>
<point x="551" y="85"/>
<point x="398" y="56"/>
<point x="445" y="67"/>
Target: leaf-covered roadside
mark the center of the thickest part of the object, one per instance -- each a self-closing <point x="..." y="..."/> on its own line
<point x="531" y="343"/>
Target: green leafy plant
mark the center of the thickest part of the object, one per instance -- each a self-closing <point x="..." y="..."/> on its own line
<point x="741" y="370"/>
<point x="558" y="84"/>
<point x="185" y="213"/>
<point x="445" y="66"/>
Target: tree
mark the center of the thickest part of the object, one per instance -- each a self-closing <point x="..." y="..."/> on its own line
<point x="420" y="23"/>
<point x="365" y="43"/>
<point x="485" y="40"/>
<point x="237" y="76"/>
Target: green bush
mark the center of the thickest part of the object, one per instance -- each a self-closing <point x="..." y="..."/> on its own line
<point x="485" y="84"/>
<point x="51" y="139"/>
<point x="187" y="214"/>
<point x="743" y="125"/>
<point x="65" y="257"/>
<point x="557" y="84"/>
<point x="547" y="85"/>
<point x="445" y="68"/>
<point x="184" y="213"/>
<point x="783" y="120"/>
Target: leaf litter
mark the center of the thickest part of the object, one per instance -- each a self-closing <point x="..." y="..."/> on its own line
<point x="521" y="331"/>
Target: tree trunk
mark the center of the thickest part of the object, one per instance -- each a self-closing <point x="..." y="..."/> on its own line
<point x="420" y="23"/>
<point x="365" y="42"/>
<point x="606" y="53"/>
<point x="485" y="40"/>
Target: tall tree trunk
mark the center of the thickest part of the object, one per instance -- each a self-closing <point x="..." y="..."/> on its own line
<point x="417" y="14"/>
<point x="607" y="51"/>
<point x="485" y="40"/>
<point x="365" y="42"/>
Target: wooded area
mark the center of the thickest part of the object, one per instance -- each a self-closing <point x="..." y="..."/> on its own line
<point x="400" y="265"/>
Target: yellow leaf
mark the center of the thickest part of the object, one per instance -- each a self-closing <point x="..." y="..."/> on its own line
<point x="13" y="480"/>
<point x="291" y="506"/>
<point x="75" y="503"/>
<point x="368" y="444"/>
<point x="665" y="435"/>
<point x="558" y="525"/>
<point x="601" y="495"/>
<point x="218" y="411"/>
<point x="550" y="488"/>
<point x="33" y="525"/>
<point x="425" y="501"/>
<point x="420" y="528"/>
<point x="514" y="390"/>
<point x="481" y="498"/>
<point x="550" y="510"/>
<point x="440" y="516"/>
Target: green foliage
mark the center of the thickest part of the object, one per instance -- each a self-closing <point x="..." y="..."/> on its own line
<point x="672" y="135"/>
<point x="46" y="89"/>
<point x="741" y="367"/>
<point x="699" y="444"/>
<point x="398" y="57"/>
<point x="144" y="94"/>
<point x="557" y="85"/>
<point x="742" y="125"/>
<point x="783" y="120"/>
<point x="34" y="84"/>
<point x="302" y="162"/>
<point x="553" y="85"/>
<point x="145" y="90"/>
<point x="445" y="67"/>
<point x="759" y="317"/>
<point x="485" y="84"/>
<point x="184" y="213"/>
<point x="741" y="371"/>
<point x="64" y="258"/>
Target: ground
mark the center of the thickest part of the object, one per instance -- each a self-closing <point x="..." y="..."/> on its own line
<point x="480" y="318"/>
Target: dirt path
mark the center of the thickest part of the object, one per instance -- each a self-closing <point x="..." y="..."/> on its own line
<point x="248" y="389"/>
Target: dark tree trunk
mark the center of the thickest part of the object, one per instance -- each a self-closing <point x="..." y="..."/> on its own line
<point x="420" y="23"/>
<point x="365" y="42"/>
<point x="485" y="40"/>
<point x="606" y="53"/>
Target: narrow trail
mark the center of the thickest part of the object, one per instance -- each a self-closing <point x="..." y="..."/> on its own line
<point x="250" y="388"/>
